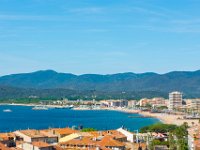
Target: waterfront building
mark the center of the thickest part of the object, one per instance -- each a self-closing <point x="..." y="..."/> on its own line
<point x="124" y="103"/>
<point x="143" y="102"/>
<point x="159" y="101"/>
<point x="175" y="100"/>
<point x="193" y="105"/>
<point x="155" y="102"/>
<point x="114" y="103"/>
<point x="132" y="103"/>
<point x="105" y="103"/>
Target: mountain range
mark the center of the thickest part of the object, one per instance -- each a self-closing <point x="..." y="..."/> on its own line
<point x="187" y="82"/>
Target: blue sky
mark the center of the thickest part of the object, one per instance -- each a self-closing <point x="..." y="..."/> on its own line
<point x="99" y="36"/>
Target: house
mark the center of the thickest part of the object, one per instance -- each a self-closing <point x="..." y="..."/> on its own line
<point x="62" y="132"/>
<point x="107" y="142"/>
<point x="114" y="133"/>
<point x="74" y="136"/>
<point x="129" y="135"/>
<point x="36" y="146"/>
<point x="37" y="136"/>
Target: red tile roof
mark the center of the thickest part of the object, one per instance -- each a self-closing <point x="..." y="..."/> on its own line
<point x="40" y="144"/>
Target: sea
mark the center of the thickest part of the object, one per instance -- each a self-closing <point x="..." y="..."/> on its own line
<point x="23" y="117"/>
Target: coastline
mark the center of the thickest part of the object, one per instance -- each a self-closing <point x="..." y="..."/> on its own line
<point x="171" y="118"/>
<point x="14" y="104"/>
<point x="162" y="117"/>
<point x="131" y="111"/>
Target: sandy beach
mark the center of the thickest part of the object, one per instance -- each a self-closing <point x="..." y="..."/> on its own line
<point x="170" y="118"/>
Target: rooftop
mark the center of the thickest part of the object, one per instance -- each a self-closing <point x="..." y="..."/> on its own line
<point x="40" y="144"/>
<point x="66" y="131"/>
<point x="36" y="133"/>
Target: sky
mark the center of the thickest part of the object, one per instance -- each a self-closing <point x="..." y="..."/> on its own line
<point x="99" y="36"/>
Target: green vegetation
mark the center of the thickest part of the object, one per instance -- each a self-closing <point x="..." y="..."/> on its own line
<point x="103" y="86"/>
<point x="21" y="101"/>
<point x="148" y="106"/>
<point x="159" y="127"/>
<point x="162" y="107"/>
<point x="181" y="135"/>
<point x="21" y="94"/>
<point x="177" y="139"/>
<point x="88" y="129"/>
<point x="158" y="142"/>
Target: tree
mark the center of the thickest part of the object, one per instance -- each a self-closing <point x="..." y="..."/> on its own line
<point x="88" y="129"/>
<point x="177" y="135"/>
<point x="172" y="142"/>
<point x="181" y="134"/>
<point x="159" y="127"/>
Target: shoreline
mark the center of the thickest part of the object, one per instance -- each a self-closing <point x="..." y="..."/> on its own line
<point x="15" y="104"/>
<point x="171" y="118"/>
<point x="162" y="117"/>
<point x="131" y="111"/>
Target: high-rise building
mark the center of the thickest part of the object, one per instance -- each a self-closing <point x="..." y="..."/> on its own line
<point x="175" y="100"/>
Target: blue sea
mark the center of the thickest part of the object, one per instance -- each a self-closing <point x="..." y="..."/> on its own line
<point x="23" y="117"/>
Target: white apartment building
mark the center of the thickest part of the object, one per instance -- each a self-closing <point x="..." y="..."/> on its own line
<point x="175" y="100"/>
<point x="195" y="105"/>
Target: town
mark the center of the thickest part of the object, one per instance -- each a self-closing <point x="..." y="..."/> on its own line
<point x="175" y="114"/>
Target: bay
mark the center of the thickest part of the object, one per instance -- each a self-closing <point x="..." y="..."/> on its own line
<point x="23" y="117"/>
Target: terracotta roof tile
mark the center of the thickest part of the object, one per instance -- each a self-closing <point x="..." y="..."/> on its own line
<point x="40" y="144"/>
<point x="64" y="131"/>
<point x="109" y="141"/>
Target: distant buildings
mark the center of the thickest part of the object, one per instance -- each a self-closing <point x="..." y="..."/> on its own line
<point x="175" y="100"/>
<point x="132" y="103"/>
<point x="193" y="105"/>
<point x="155" y="102"/>
<point x="114" y="103"/>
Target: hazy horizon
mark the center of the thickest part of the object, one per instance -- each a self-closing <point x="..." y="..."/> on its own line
<point x="101" y="73"/>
